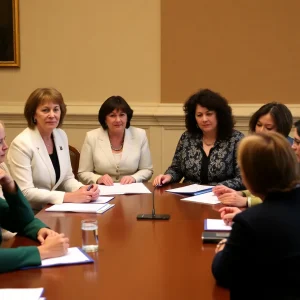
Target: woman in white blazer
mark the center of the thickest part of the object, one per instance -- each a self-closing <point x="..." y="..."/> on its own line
<point x="115" y="152"/>
<point x="38" y="157"/>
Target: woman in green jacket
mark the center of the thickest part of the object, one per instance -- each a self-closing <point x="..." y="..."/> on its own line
<point x="16" y="215"/>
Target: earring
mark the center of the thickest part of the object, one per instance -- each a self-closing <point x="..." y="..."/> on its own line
<point x="33" y="120"/>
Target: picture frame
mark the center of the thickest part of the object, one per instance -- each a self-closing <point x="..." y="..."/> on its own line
<point x="9" y="33"/>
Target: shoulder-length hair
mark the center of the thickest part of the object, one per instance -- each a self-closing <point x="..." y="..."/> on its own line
<point x="281" y="115"/>
<point x="212" y="101"/>
<point x="109" y="105"/>
<point x="268" y="163"/>
<point x="40" y="96"/>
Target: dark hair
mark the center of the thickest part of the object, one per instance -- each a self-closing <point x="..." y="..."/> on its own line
<point x="109" y="105"/>
<point x="297" y="126"/>
<point x="268" y="163"/>
<point x="40" y="96"/>
<point x="212" y="101"/>
<point x="281" y="115"/>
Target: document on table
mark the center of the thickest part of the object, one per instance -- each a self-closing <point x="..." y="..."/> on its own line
<point x="24" y="294"/>
<point x="122" y="189"/>
<point x="80" y="207"/>
<point x="216" y="224"/>
<point x="100" y="199"/>
<point x="207" y="198"/>
<point x="193" y="189"/>
<point x="74" y="256"/>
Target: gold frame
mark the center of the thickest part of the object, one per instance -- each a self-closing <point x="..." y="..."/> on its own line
<point x="16" y="37"/>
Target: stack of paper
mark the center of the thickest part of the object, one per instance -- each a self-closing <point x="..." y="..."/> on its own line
<point x="216" y="224"/>
<point x="192" y="190"/>
<point x="121" y="189"/>
<point x="80" y="207"/>
<point x="207" y="198"/>
<point x="24" y="294"/>
<point x="74" y="256"/>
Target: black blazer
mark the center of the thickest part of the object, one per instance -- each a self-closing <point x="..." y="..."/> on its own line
<point x="261" y="259"/>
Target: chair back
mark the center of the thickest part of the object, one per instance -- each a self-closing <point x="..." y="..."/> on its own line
<point x="74" y="156"/>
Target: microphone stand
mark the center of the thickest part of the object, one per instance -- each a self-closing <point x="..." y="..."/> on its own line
<point x="153" y="216"/>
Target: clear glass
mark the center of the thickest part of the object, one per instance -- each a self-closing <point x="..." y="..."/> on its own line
<point x="89" y="231"/>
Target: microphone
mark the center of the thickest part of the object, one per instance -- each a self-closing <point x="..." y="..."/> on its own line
<point x="153" y="216"/>
<point x="60" y="147"/>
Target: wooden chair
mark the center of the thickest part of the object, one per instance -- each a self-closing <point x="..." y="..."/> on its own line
<point x="74" y="156"/>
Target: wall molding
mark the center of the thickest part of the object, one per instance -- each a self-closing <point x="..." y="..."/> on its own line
<point x="145" y="114"/>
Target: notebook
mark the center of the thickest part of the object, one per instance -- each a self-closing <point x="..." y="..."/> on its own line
<point x="74" y="256"/>
<point x="216" y="224"/>
<point x="80" y="207"/>
<point x="192" y="190"/>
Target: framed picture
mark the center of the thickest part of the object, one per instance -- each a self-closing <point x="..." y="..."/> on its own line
<point x="9" y="33"/>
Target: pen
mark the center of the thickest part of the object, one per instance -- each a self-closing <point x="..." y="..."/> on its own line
<point x="89" y="187"/>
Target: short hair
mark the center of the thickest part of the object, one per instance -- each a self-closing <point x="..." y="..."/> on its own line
<point x="212" y="101"/>
<point x="281" y="115"/>
<point x="268" y="163"/>
<point x="109" y="105"/>
<point x="297" y="126"/>
<point x="40" y="96"/>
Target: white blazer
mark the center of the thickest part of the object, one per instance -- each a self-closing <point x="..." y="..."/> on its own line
<point x="32" y="168"/>
<point x="96" y="157"/>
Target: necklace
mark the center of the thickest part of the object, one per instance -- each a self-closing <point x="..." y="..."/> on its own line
<point x="116" y="149"/>
<point x="208" y="144"/>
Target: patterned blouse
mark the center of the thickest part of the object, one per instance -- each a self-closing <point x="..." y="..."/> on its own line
<point x="221" y="164"/>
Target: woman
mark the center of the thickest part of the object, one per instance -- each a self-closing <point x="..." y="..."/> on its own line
<point x="16" y="215"/>
<point x="206" y="152"/>
<point x="261" y="256"/>
<point x="272" y="116"/>
<point x="39" y="157"/>
<point x="115" y="152"/>
<point x="296" y="140"/>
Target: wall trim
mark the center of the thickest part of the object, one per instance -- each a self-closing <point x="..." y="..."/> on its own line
<point x="145" y="114"/>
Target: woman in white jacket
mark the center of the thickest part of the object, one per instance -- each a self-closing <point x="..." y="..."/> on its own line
<point x="115" y="152"/>
<point x="38" y="157"/>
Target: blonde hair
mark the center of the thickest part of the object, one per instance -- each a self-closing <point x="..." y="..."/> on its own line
<point x="268" y="163"/>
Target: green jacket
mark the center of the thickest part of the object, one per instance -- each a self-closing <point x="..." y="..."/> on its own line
<point x="252" y="199"/>
<point x="16" y="215"/>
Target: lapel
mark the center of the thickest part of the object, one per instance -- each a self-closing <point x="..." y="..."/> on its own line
<point x="58" y="141"/>
<point x="40" y="146"/>
<point x="104" y="144"/>
<point x="127" y="147"/>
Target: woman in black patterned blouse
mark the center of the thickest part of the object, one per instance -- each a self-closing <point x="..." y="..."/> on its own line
<point x="206" y="152"/>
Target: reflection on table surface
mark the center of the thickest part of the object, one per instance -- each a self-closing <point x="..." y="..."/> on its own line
<point x="136" y="259"/>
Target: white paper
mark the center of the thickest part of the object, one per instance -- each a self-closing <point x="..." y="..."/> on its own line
<point x="73" y="256"/>
<point x="24" y="294"/>
<point x="101" y="200"/>
<point x="121" y="189"/>
<point x="79" y="207"/>
<point x="216" y="224"/>
<point x="190" y="189"/>
<point x="207" y="198"/>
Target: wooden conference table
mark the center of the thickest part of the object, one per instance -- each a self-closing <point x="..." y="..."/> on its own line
<point x="137" y="259"/>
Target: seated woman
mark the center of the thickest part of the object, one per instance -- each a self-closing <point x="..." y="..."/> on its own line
<point x="16" y="215"/>
<point x="115" y="152"/>
<point x="3" y="149"/>
<point x="206" y="152"/>
<point x="39" y="157"/>
<point x="261" y="257"/>
<point x="272" y="116"/>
